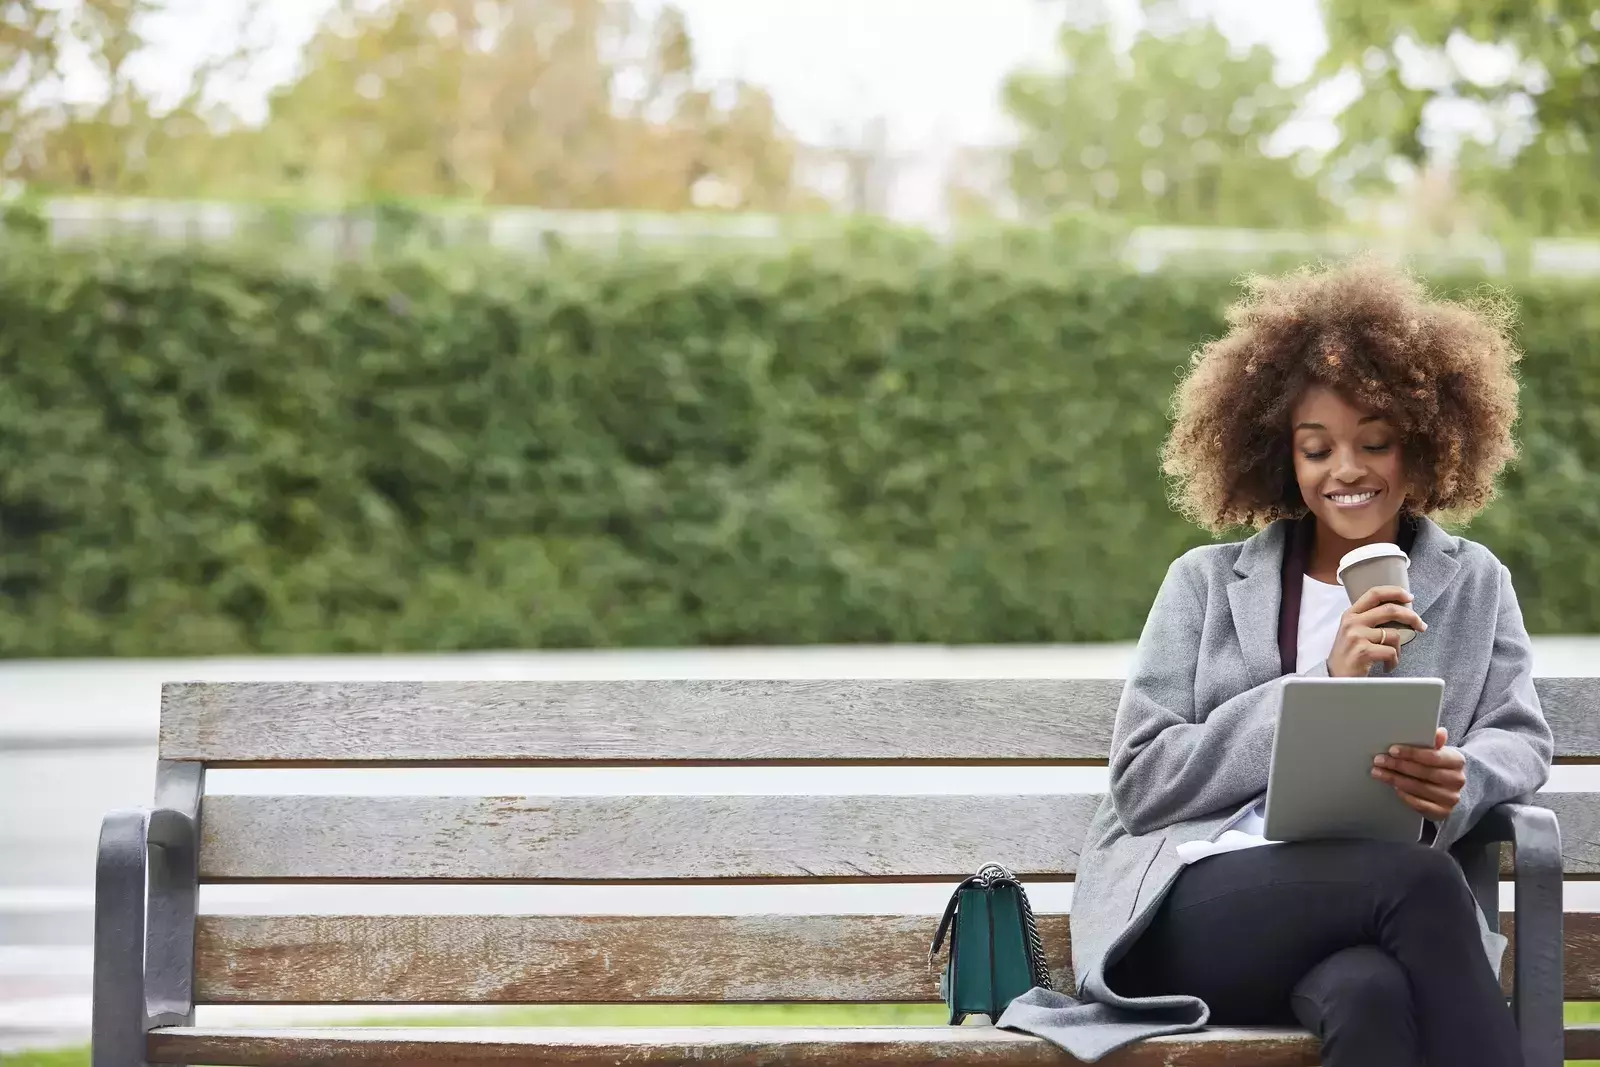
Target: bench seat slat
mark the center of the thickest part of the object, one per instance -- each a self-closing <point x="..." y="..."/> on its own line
<point x="729" y="1046"/>
<point x="592" y="959"/>
<point x="578" y="839"/>
<point x="614" y="722"/>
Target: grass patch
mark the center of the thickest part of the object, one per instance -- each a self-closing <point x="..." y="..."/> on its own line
<point x="55" y="1057"/>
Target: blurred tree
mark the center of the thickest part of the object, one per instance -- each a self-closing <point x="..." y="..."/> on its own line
<point x="106" y="134"/>
<point x="29" y="49"/>
<point x="1532" y="65"/>
<point x="1173" y="130"/>
<point x="101" y="145"/>
<point x="556" y="103"/>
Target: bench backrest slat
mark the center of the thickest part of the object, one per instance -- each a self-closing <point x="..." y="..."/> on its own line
<point x="638" y="838"/>
<point x="639" y="721"/>
<point x="519" y="959"/>
<point x="826" y="721"/>
<point x="681" y="838"/>
<point x="586" y="959"/>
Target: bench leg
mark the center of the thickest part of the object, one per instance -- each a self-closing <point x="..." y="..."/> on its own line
<point x="1538" y="993"/>
<point x="1538" y="989"/>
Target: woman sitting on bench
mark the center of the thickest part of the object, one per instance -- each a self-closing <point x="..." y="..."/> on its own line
<point x="1343" y="407"/>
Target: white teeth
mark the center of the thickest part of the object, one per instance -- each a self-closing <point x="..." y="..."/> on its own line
<point x="1352" y="498"/>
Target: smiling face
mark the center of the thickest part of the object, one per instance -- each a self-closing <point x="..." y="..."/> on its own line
<point x="1348" y="465"/>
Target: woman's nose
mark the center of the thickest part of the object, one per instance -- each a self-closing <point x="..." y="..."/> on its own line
<point x="1349" y="467"/>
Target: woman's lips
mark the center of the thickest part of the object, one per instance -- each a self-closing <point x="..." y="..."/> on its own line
<point x="1351" y="500"/>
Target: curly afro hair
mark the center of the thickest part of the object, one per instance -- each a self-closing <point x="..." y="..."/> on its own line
<point x="1441" y="371"/>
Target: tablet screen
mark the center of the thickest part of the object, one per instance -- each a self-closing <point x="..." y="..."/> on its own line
<point x="1329" y="729"/>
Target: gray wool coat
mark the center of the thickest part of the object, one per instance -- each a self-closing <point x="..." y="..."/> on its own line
<point x="1193" y="742"/>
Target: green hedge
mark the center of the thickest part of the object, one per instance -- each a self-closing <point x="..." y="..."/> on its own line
<point x="869" y="440"/>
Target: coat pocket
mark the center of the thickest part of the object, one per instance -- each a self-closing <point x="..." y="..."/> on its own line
<point x="1144" y="874"/>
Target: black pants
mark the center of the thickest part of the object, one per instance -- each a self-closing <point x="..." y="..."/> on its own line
<point x="1373" y="947"/>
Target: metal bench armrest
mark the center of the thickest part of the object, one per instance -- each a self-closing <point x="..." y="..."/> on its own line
<point x="145" y="896"/>
<point x="1537" y="989"/>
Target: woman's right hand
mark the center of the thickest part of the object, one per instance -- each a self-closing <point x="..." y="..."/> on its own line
<point x="1361" y="641"/>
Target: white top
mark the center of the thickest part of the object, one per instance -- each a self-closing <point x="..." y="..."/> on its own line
<point x="1321" y="606"/>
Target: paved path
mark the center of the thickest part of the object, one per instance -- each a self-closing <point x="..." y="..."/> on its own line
<point x="77" y="738"/>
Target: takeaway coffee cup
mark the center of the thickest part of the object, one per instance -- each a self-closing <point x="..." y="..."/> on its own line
<point x="1374" y="565"/>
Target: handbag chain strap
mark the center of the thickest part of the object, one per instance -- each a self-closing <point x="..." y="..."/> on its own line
<point x="989" y="875"/>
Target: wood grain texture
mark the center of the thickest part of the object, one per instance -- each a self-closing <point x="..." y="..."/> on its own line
<point x="538" y="959"/>
<point x="983" y="720"/>
<point x="725" y="1046"/>
<point x="542" y="959"/>
<point x="1579" y="816"/>
<point x="1581" y="954"/>
<point x="1572" y="707"/>
<point x="683" y="838"/>
<point x="627" y="721"/>
<point x="638" y="838"/>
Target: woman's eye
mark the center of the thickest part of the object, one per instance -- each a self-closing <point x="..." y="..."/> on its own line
<point x="1324" y="454"/>
<point x="1378" y="448"/>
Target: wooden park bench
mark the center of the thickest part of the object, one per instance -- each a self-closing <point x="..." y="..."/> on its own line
<point x="155" y="959"/>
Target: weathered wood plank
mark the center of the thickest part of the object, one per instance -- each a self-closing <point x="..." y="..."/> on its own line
<point x="1579" y="816"/>
<point x="541" y="959"/>
<point x="1583" y="1041"/>
<point x="683" y="838"/>
<point x="1581" y="954"/>
<point x="1028" y="720"/>
<point x="622" y="721"/>
<point x="638" y="838"/>
<point x="1572" y="707"/>
<point x="724" y="1046"/>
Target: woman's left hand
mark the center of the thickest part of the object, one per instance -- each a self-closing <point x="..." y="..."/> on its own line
<point x="1430" y="780"/>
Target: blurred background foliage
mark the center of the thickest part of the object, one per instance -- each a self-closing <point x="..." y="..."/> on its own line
<point x="869" y="438"/>
<point x="852" y="431"/>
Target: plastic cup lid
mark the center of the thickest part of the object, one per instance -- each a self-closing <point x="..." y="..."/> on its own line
<point x="1375" y="551"/>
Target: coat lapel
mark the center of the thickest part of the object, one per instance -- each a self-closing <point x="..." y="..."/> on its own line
<point x="1433" y="564"/>
<point x="1255" y="597"/>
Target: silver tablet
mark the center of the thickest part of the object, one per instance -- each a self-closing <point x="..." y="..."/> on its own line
<point x="1321" y="783"/>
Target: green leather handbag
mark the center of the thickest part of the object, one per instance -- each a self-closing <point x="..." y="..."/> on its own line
<point x="995" y="952"/>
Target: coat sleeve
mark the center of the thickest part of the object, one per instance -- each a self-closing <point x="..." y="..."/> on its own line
<point x="1508" y="746"/>
<point x="1166" y="765"/>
